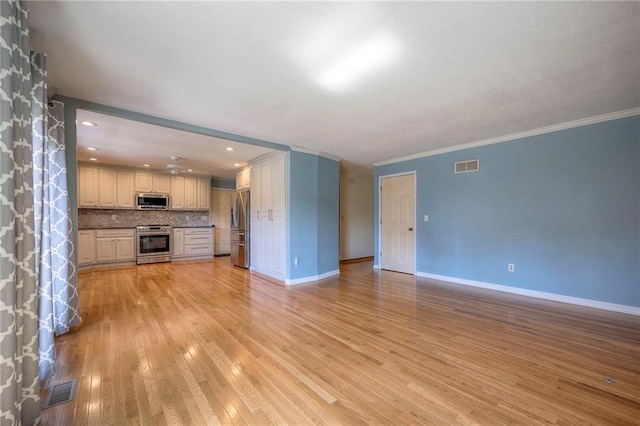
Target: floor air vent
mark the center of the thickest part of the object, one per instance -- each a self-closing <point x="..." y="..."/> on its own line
<point x="467" y="166"/>
<point x="61" y="393"/>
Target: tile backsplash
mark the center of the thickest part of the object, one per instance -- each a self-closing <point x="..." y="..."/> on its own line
<point x="103" y="218"/>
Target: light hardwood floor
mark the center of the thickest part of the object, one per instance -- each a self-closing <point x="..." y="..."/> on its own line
<point x="204" y="343"/>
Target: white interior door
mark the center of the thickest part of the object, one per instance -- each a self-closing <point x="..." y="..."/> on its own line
<point x="397" y="214"/>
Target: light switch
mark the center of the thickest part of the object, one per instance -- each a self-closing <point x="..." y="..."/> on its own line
<point x="426" y="218"/>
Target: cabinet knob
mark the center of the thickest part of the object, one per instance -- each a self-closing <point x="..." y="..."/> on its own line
<point x="410" y="229"/>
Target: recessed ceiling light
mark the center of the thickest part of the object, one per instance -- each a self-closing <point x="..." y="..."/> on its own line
<point x="229" y="148"/>
<point x="89" y="123"/>
<point x="92" y="149"/>
<point x="357" y="62"/>
<point x="93" y="159"/>
<point x="145" y="165"/>
<point x="236" y="164"/>
<point x="189" y="170"/>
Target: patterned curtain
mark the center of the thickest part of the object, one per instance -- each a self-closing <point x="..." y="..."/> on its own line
<point x="20" y="393"/>
<point x="56" y="269"/>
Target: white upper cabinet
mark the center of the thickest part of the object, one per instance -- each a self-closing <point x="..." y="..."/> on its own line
<point x="177" y="192"/>
<point x="204" y="194"/>
<point x="144" y="182"/>
<point x="243" y="178"/>
<point x="87" y="186"/>
<point x="126" y="191"/>
<point x="112" y="188"/>
<point x="107" y="188"/>
<point x="152" y="182"/>
<point x="162" y="183"/>
<point x="190" y="193"/>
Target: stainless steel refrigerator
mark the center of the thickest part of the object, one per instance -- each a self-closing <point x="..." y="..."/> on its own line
<point x="240" y="229"/>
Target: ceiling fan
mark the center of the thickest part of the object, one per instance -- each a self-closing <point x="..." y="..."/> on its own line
<point x="174" y="168"/>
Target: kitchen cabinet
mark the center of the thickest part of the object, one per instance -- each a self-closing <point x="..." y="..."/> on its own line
<point x="152" y="182"/>
<point x="243" y="178"/>
<point x="190" y="193"/>
<point x="177" y="192"/>
<point x="178" y="242"/>
<point x="268" y="218"/>
<point x="107" y="188"/>
<point x="115" y="245"/>
<point x="221" y="218"/>
<point x="126" y="191"/>
<point x="204" y="194"/>
<point x="101" y="187"/>
<point x="111" y="188"/>
<point x="192" y="243"/>
<point x="162" y="183"/>
<point x="86" y="247"/>
<point x="87" y="186"/>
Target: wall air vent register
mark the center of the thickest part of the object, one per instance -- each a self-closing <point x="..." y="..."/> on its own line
<point x="467" y="166"/>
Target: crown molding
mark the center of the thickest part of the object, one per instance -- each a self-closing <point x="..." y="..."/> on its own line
<point x="514" y="136"/>
<point x="314" y="152"/>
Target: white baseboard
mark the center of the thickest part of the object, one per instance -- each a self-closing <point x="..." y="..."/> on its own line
<point x="626" y="309"/>
<point x="312" y="278"/>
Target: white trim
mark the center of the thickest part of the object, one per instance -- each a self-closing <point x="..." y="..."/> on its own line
<point x="514" y="136"/>
<point x="312" y="278"/>
<point x="314" y="152"/>
<point x="626" y="309"/>
<point x="415" y="216"/>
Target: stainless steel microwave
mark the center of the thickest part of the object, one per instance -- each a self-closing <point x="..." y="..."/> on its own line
<point x="152" y="201"/>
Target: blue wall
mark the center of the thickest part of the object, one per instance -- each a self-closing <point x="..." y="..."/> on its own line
<point x="564" y="207"/>
<point x="303" y="214"/>
<point x="313" y="215"/>
<point x="223" y="183"/>
<point x="328" y="215"/>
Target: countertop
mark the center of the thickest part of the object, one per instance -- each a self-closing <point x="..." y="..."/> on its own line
<point x="133" y="227"/>
<point x="109" y="227"/>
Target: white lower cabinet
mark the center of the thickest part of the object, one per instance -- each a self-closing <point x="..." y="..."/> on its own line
<point x="178" y="242"/>
<point x="115" y="245"/>
<point x="86" y="247"/>
<point x="192" y="243"/>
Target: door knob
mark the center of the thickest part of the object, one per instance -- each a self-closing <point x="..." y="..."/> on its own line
<point x="410" y="229"/>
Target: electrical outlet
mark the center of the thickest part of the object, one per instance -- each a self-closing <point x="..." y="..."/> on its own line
<point x="296" y="261"/>
<point x="426" y="218"/>
<point x="188" y="217"/>
<point x="204" y="217"/>
<point x="511" y="267"/>
<point x="113" y="217"/>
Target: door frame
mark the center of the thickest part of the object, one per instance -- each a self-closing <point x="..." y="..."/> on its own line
<point x="414" y="173"/>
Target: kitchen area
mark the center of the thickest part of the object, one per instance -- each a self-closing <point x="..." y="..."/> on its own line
<point x="129" y="216"/>
<point x="148" y="193"/>
<point x="151" y="194"/>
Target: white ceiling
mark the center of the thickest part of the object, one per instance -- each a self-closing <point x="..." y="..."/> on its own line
<point x="133" y="144"/>
<point x="461" y="72"/>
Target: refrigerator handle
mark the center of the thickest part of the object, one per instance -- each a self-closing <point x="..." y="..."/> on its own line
<point x="234" y="212"/>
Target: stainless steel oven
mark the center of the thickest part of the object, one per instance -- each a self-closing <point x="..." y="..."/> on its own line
<point x="153" y="244"/>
